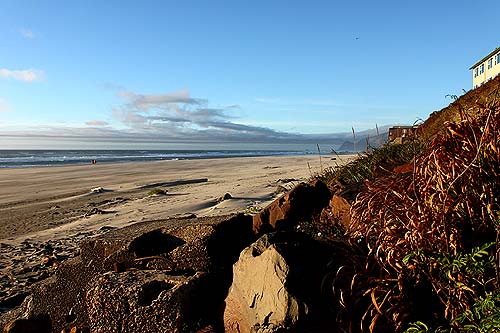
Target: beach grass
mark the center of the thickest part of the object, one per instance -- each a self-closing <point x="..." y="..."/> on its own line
<point x="157" y="191"/>
<point x="373" y="163"/>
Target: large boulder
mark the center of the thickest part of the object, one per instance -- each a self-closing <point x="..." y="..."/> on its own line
<point x="175" y="246"/>
<point x="196" y="244"/>
<point x="277" y="284"/>
<point x="146" y="301"/>
<point x="299" y="204"/>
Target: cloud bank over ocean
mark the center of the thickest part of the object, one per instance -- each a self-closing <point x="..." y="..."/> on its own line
<point x="172" y="117"/>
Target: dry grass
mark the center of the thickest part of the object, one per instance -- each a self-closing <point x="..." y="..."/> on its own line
<point x="424" y="230"/>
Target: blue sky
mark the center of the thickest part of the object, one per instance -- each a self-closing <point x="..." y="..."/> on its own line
<point x="157" y="72"/>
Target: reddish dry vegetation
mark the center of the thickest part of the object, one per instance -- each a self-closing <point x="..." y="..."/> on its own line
<point x="469" y="103"/>
<point x="424" y="242"/>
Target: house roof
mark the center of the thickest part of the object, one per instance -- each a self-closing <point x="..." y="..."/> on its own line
<point x="485" y="58"/>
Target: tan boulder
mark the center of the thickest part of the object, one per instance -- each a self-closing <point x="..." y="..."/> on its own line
<point x="277" y="284"/>
<point x="258" y="297"/>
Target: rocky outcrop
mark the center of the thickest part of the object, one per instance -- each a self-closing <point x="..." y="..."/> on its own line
<point x="147" y="301"/>
<point x="276" y="284"/>
<point x="285" y="212"/>
<point x="176" y="247"/>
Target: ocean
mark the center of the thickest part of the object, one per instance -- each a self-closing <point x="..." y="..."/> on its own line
<point x="35" y="158"/>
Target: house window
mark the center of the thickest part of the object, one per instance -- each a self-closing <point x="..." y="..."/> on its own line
<point x="490" y="63"/>
<point x="481" y="71"/>
<point x="497" y="59"/>
<point x="476" y="72"/>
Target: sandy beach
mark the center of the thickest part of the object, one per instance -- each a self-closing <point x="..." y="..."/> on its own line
<point x="45" y="203"/>
<point x="45" y="212"/>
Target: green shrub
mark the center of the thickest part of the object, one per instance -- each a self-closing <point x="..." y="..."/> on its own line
<point x="157" y="191"/>
<point x="483" y="317"/>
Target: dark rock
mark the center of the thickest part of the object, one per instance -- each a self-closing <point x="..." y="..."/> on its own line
<point x="226" y="196"/>
<point x="14" y="300"/>
<point x="300" y="203"/>
<point x="40" y="324"/>
<point x="188" y="242"/>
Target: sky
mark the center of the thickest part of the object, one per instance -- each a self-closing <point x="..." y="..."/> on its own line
<point x="150" y="74"/>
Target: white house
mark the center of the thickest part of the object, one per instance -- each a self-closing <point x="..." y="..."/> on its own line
<point x="486" y="68"/>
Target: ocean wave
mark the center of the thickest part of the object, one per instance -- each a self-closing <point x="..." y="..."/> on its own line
<point x="30" y="158"/>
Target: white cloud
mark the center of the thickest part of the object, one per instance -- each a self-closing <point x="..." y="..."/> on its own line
<point x="27" y="33"/>
<point x="26" y="75"/>
<point x="96" y="123"/>
<point x="148" y="101"/>
<point x="178" y="114"/>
